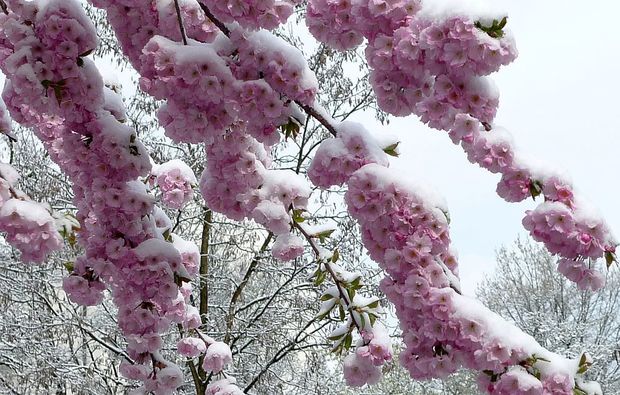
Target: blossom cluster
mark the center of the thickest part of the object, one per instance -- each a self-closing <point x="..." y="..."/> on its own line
<point x="433" y="61"/>
<point x="337" y="158"/>
<point x="55" y="89"/>
<point x="252" y="14"/>
<point x="405" y="230"/>
<point x="136" y="22"/>
<point x="28" y="226"/>
<point x="175" y="180"/>
<point x="212" y="93"/>
<point x="373" y="350"/>
<point x="563" y="222"/>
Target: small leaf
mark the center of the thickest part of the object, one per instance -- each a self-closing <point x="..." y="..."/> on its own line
<point x="348" y="341"/>
<point x="535" y="189"/>
<point x="336" y="337"/>
<point x="69" y="266"/>
<point x="351" y="293"/>
<point x="496" y="30"/>
<point x="326" y="297"/>
<point x="319" y="278"/>
<point x="392" y="149"/>
<point x="298" y="216"/>
<point x="356" y="284"/>
<point x="322" y="236"/>
<point x="335" y="256"/>
<point x="291" y="128"/>
<point x="610" y="258"/>
<point x="583" y="359"/>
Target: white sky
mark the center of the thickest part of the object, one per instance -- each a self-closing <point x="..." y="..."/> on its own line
<point x="560" y="99"/>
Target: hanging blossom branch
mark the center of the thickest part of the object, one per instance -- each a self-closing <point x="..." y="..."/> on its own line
<point x="433" y="61"/>
<point x="28" y="225"/>
<point x="254" y="181"/>
<point x="130" y="251"/>
<point x="484" y="109"/>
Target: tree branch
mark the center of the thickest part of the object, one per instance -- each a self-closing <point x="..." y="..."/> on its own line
<point x="180" y="19"/>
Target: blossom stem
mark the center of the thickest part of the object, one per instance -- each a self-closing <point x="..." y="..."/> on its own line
<point x="180" y="19"/>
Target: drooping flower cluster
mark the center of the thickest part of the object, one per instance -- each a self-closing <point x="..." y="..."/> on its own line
<point x="53" y="87"/>
<point x="336" y="159"/>
<point x="175" y="180"/>
<point x="136" y="22"/>
<point x="287" y="247"/>
<point x="564" y="223"/>
<point x="212" y="91"/>
<point x="28" y="226"/>
<point x="364" y="366"/>
<point x="432" y="61"/>
<point x="252" y="14"/>
<point x="406" y="231"/>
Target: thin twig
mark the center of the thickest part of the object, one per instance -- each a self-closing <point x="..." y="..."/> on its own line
<point x="343" y="294"/>
<point x="180" y="19"/>
<point x="213" y="19"/>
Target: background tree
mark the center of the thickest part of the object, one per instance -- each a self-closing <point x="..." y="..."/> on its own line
<point x="527" y="289"/>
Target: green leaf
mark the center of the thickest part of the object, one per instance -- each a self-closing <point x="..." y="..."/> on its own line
<point x="336" y="337"/>
<point x="356" y="284"/>
<point x="351" y="293"/>
<point x="298" y="216"/>
<point x="363" y="320"/>
<point x="319" y="278"/>
<point x="535" y="189"/>
<point x="348" y="341"/>
<point x="326" y="297"/>
<point x="496" y="30"/>
<point x="322" y="236"/>
<point x="610" y="258"/>
<point x="69" y="266"/>
<point x="291" y="128"/>
<point x="392" y="149"/>
<point x="335" y="256"/>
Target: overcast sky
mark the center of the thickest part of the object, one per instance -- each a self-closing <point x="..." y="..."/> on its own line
<point x="560" y="100"/>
